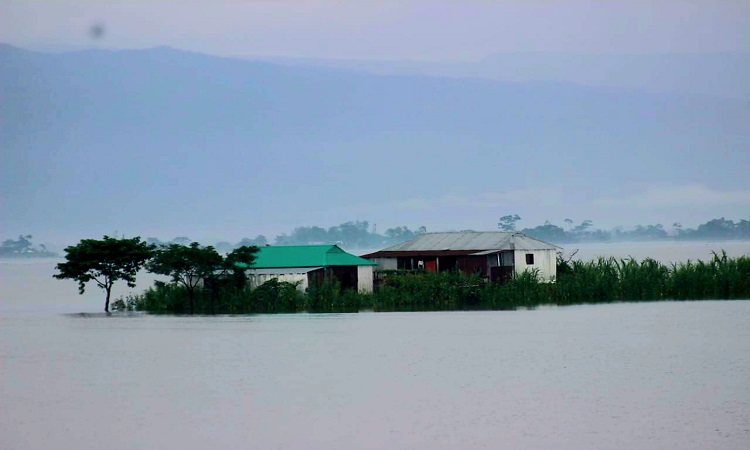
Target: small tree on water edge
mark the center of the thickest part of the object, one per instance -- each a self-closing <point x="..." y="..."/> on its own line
<point x="104" y="261"/>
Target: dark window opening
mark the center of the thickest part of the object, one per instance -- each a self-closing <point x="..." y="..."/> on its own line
<point x="529" y="259"/>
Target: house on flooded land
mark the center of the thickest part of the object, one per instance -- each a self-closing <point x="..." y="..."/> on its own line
<point x="311" y="265"/>
<point x="496" y="255"/>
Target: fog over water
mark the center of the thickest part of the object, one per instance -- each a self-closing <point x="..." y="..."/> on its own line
<point x="632" y="375"/>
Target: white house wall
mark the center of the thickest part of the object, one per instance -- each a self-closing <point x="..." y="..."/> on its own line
<point x="364" y="279"/>
<point x="544" y="260"/>
<point x="258" y="279"/>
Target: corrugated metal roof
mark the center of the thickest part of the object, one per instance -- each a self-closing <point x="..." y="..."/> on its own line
<point x="283" y="270"/>
<point x="472" y="240"/>
<point x="276" y="256"/>
<point x="487" y="252"/>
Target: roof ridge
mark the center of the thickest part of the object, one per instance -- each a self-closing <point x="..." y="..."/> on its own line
<point x="301" y="245"/>
<point x="467" y="232"/>
<point x="470" y="240"/>
<point x="307" y="256"/>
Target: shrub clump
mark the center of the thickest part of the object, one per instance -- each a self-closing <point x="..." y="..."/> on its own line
<point x="602" y="280"/>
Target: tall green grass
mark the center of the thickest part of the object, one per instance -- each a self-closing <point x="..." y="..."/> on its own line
<point x="609" y="279"/>
<point x="603" y="280"/>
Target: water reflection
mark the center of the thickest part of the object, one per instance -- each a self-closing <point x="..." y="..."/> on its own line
<point x="670" y="374"/>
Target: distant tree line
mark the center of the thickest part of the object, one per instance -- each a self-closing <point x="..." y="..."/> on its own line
<point x="22" y="247"/>
<point x="357" y="234"/>
<point x="363" y="234"/>
<point x="586" y="232"/>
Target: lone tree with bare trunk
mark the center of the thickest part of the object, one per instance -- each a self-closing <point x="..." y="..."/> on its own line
<point x="104" y="262"/>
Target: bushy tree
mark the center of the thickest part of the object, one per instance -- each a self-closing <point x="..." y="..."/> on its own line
<point x="224" y="247"/>
<point x="508" y="223"/>
<point x="548" y="232"/>
<point x="258" y="241"/>
<point x="352" y="234"/>
<point x="154" y="241"/>
<point x="306" y="235"/>
<point x="238" y="260"/>
<point x="104" y="261"/>
<point x="716" y="229"/>
<point x="187" y="265"/>
<point x="399" y="234"/>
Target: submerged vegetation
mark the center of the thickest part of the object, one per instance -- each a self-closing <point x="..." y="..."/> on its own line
<point x="604" y="280"/>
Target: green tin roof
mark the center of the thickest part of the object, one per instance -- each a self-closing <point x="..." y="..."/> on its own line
<point x="277" y="256"/>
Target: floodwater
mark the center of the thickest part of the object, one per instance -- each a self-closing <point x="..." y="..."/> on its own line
<point x="639" y="375"/>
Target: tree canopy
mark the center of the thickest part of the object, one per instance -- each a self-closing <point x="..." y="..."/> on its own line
<point x="357" y="234"/>
<point x="190" y="265"/>
<point x="241" y="255"/>
<point x="508" y="223"/>
<point x="259" y="241"/>
<point x="104" y="261"/>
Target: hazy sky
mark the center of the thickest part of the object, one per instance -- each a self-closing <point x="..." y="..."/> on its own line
<point x="383" y="29"/>
<point x="419" y="30"/>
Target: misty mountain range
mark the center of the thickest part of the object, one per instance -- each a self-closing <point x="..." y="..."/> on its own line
<point x="712" y="74"/>
<point x="156" y="140"/>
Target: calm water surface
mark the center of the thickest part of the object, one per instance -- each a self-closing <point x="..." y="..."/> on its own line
<point x="648" y="375"/>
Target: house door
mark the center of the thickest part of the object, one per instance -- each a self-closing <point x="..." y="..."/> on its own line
<point x="500" y="274"/>
<point x="430" y="266"/>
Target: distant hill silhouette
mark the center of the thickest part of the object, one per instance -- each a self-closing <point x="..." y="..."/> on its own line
<point x="714" y="74"/>
<point x="101" y="140"/>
